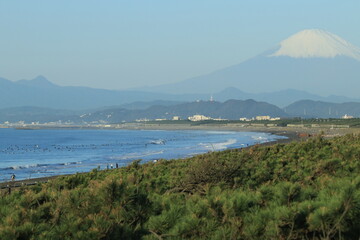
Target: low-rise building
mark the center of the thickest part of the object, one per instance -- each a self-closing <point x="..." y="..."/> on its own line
<point x="260" y="118"/>
<point x="198" y="117"/>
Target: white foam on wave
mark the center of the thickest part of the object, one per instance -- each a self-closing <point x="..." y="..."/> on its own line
<point x="135" y="155"/>
<point x="26" y="166"/>
<point x="220" y="132"/>
<point x="71" y="163"/>
<point x="158" y="142"/>
<point x="29" y="166"/>
<point x="261" y="138"/>
<point x="219" y="146"/>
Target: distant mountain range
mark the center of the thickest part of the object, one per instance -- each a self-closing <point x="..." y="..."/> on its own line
<point x="279" y="98"/>
<point x="40" y="92"/>
<point x="312" y="60"/>
<point x="230" y="109"/>
<point x="114" y="106"/>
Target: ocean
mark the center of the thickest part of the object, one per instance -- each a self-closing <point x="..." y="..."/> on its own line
<point x="42" y="153"/>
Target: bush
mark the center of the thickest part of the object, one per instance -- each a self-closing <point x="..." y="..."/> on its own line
<point x="303" y="190"/>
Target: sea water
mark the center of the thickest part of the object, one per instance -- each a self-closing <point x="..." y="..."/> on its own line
<point x="42" y="153"/>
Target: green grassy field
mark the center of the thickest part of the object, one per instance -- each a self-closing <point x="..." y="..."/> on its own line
<point x="301" y="190"/>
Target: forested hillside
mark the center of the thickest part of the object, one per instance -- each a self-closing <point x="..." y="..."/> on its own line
<point x="301" y="190"/>
<point x="231" y="109"/>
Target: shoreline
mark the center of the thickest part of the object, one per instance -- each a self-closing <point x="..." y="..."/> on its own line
<point x="292" y="135"/>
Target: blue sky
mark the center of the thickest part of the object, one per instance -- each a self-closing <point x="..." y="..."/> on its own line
<point x="123" y="44"/>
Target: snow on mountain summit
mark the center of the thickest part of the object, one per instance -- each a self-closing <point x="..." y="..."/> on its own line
<point x="313" y="43"/>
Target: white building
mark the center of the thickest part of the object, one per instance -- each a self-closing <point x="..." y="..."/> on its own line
<point x="259" y="118"/>
<point x="198" y="117"/>
<point x="245" y="119"/>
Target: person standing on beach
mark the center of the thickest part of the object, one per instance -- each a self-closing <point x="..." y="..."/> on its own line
<point x="13" y="177"/>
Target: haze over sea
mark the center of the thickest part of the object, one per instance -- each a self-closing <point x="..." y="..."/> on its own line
<point x="42" y="153"/>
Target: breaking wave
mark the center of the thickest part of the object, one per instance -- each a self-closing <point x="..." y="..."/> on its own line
<point x="219" y="146"/>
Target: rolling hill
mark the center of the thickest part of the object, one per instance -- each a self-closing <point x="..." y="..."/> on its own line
<point x="319" y="109"/>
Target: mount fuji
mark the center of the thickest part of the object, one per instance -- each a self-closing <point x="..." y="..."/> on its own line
<point x="312" y="60"/>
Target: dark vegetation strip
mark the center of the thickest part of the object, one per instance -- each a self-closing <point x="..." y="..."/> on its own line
<point x="301" y="190"/>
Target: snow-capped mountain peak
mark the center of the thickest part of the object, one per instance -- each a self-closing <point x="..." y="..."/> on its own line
<point x="313" y="43"/>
